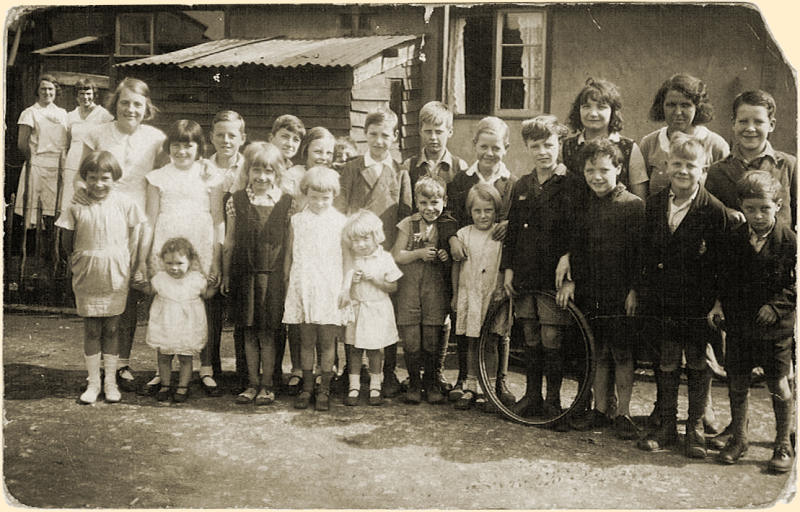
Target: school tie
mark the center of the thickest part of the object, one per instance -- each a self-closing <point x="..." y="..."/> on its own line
<point x="370" y="175"/>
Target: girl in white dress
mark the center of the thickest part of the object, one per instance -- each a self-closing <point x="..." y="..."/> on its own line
<point x="97" y="237"/>
<point x="371" y="276"/>
<point x="177" y="324"/>
<point x="476" y="280"/>
<point x="314" y="266"/>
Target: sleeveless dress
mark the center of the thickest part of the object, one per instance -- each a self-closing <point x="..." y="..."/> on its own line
<point x="478" y="278"/>
<point x="177" y="323"/>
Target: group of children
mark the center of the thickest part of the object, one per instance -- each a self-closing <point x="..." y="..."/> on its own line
<point x="361" y="252"/>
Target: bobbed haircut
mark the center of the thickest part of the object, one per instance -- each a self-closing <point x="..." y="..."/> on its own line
<point x="320" y="179"/>
<point x="430" y="187"/>
<point x="603" y="92"/>
<point x="381" y="115"/>
<point x="100" y="162"/>
<point x="85" y="84"/>
<point x="687" y="147"/>
<point x="290" y="123"/>
<point x="47" y="77"/>
<point x="493" y="125"/>
<point x="228" y="116"/>
<point x="315" y="133"/>
<point x="136" y="86"/>
<point x="484" y="192"/>
<point x="181" y="246"/>
<point x="543" y="127"/>
<point x="264" y="154"/>
<point x="691" y="87"/>
<point x="759" y="185"/>
<point x="361" y="224"/>
<point x="435" y="112"/>
<point x="186" y="130"/>
<point x="757" y="98"/>
<point x="597" y="148"/>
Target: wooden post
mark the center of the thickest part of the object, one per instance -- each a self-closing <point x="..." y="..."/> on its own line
<point x="25" y="199"/>
<point x="57" y="214"/>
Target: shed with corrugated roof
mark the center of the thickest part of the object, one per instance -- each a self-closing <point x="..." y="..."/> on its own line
<point x="332" y="82"/>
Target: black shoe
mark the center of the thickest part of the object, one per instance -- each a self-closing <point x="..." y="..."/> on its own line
<point x="163" y="394"/>
<point x="180" y="397"/>
<point x="661" y="439"/>
<point x="528" y="405"/>
<point x="503" y="393"/>
<point x="125" y="384"/>
<point x="303" y="400"/>
<point x="391" y="386"/>
<point x="782" y="459"/>
<point x="444" y="386"/>
<point x="732" y="451"/>
<point x="625" y="428"/>
<point x="695" y="445"/>
<point x="592" y="420"/>
<point x="210" y="390"/>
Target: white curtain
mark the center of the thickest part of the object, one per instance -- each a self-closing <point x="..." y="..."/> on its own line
<point x="456" y="90"/>
<point x="530" y="30"/>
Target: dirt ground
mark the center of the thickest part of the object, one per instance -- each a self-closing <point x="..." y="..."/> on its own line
<point x="212" y="453"/>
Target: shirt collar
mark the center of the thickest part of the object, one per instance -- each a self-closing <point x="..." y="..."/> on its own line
<point x="369" y="161"/>
<point x="613" y="137"/>
<point x="700" y="133"/>
<point x="768" y="152"/>
<point x="238" y="159"/>
<point x="501" y="172"/>
<point x="447" y="158"/>
<point x="687" y="203"/>
<point x="274" y="193"/>
<point x="756" y="236"/>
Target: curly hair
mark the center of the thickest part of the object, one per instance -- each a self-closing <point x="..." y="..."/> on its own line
<point x="543" y="127"/>
<point x="179" y="245"/>
<point x="599" y="147"/>
<point x="691" y="87"/>
<point x="603" y="92"/>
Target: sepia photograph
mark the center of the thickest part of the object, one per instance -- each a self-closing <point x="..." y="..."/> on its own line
<point x="399" y="256"/>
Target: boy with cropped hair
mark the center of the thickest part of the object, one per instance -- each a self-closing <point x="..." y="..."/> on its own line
<point x="757" y="300"/>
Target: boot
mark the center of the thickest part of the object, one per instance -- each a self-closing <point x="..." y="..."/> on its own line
<point x="737" y="443"/>
<point x="322" y="400"/>
<point x="531" y="403"/>
<point x="110" y="388"/>
<point x="429" y="381"/>
<point x="501" y="388"/>
<point x="667" y="433"/>
<point x="698" y="396"/>
<point x="93" y="388"/>
<point x="782" y="457"/>
<point x="304" y="398"/>
<point x="391" y="386"/>
<point x="654" y="419"/>
<point x="414" y="393"/>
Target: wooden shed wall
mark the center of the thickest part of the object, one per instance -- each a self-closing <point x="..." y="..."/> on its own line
<point x="318" y="96"/>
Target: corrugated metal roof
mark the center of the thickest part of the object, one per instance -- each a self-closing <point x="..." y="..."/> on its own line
<point x="277" y="52"/>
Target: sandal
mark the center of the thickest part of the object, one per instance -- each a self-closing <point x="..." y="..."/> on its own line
<point x="352" y="397"/>
<point x="210" y="387"/>
<point x="126" y="384"/>
<point x="294" y="385"/>
<point x="264" y="397"/>
<point x="246" y="396"/>
<point x="151" y="387"/>
<point x="466" y="400"/>
<point x="178" y="397"/>
<point x="163" y="394"/>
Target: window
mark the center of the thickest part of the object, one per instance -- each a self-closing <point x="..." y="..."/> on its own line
<point x="135" y="34"/>
<point x="496" y="63"/>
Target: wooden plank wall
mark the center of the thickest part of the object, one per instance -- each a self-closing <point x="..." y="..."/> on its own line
<point x="318" y="96"/>
<point x="377" y="92"/>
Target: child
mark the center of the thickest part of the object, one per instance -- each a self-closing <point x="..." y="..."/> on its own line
<point x="99" y="236"/>
<point x="423" y="293"/>
<point x="181" y="203"/>
<point x="252" y="265"/>
<point x="377" y="183"/>
<point x="540" y="222"/>
<point x="681" y="254"/>
<point x="435" y="129"/>
<point x="344" y="150"/>
<point x="604" y="262"/>
<point x="753" y="121"/>
<point x="596" y="112"/>
<point x="371" y="276"/>
<point x="316" y="149"/>
<point x="177" y="323"/>
<point x="286" y="134"/>
<point x="757" y="303"/>
<point x="682" y="101"/>
<point x="226" y="165"/>
<point x="314" y="269"/>
<point x="477" y="283"/>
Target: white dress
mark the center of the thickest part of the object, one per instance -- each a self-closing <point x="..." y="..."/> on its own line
<point x="79" y="129"/>
<point x="373" y="325"/>
<point x="47" y="142"/>
<point x="478" y="279"/>
<point x="315" y="277"/>
<point x="184" y="211"/>
<point x="177" y="323"/>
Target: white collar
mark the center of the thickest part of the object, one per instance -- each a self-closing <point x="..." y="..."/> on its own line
<point x="501" y="172"/>
<point x="613" y="137"/>
<point x="446" y="158"/>
<point x="369" y="161"/>
<point x="238" y="159"/>
<point x="274" y="193"/>
<point x="700" y="133"/>
<point x="684" y="205"/>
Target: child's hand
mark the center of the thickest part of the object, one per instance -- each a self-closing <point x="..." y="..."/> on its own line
<point x="565" y="294"/>
<point x="357" y="276"/>
<point x="442" y="255"/>
<point x="213" y="276"/>
<point x="508" y="278"/>
<point x="716" y="316"/>
<point x="366" y="275"/>
<point x="739" y="217"/>
<point x="81" y="197"/>
<point x="139" y="280"/>
<point x="499" y="231"/>
<point x="225" y="286"/>
<point x="563" y="270"/>
<point x="457" y="249"/>
<point x="766" y="315"/>
<point x="427" y="253"/>
<point x="453" y="303"/>
<point x="631" y="303"/>
<point x="344" y="299"/>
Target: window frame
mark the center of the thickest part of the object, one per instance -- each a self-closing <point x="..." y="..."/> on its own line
<point x="119" y="45"/>
<point x="497" y="64"/>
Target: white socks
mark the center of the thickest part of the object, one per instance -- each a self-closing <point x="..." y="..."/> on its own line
<point x="93" y="388"/>
<point x="110" y="388"/>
